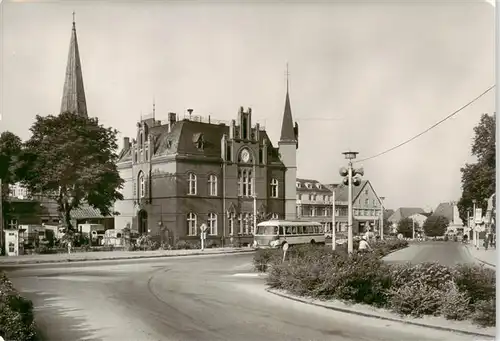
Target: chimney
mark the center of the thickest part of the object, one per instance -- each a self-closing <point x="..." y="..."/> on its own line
<point x="172" y="118"/>
<point x="126" y="142"/>
<point x="190" y="111"/>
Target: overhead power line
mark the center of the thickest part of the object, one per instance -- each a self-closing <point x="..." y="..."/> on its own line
<point x="428" y="129"/>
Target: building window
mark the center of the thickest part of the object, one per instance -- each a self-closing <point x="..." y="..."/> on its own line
<point x="146" y="154"/>
<point x="212" y="185"/>
<point x="274" y="216"/>
<point x="310" y="197"/>
<point x="313" y="211"/>
<point x="191" y="184"/>
<point x="135" y="157"/>
<point x="374" y="203"/>
<point x="240" y="224"/>
<point x="274" y="188"/>
<point x="212" y="224"/>
<point x="326" y="212"/>
<point x="261" y="155"/>
<point x="366" y="192"/>
<point x="297" y="184"/>
<point x="229" y="155"/>
<point x="231" y="225"/>
<point x="246" y="224"/>
<point x="11" y="247"/>
<point x="12" y="224"/>
<point x="191" y="222"/>
<point x="366" y="202"/>
<point x="245" y="181"/>
<point x="142" y="185"/>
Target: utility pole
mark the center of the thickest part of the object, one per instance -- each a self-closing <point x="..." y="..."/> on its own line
<point x="350" y="180"/>
<point x="468" y="224"/>
<point x="474" y="239"/>
<point x="334" y="240"/>
<point x="413" y="228"/>
<point x="254" y="214"/>
<point x="382" y="218"/>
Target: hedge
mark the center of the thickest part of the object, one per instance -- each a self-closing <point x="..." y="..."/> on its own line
<point x="463" y="292"/>
<point x="16" y="314"/>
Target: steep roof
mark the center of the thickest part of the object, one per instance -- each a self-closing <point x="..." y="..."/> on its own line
<point x="444" y="209"/>
<point x="180" y="140"/>
<point x="341" y="190"/>
<point x="405" y="212"/>
<point x="73" y="99"/>
<point x="316" y="186"/>
<point x="287" y="129"/>
<point x="388" y="213"/>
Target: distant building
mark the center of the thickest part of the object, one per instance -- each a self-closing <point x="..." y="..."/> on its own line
<point x="192" y="170"/>
<point x="449" y="210"/>
<point x="402" y="213"/>
<point x="314" y="202"/>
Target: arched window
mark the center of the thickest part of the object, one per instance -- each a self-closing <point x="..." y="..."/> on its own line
<point x="141" y="190"/>
<point x="212" y="185"/>
<point x="274" y="216"/>
<point x="245" y="182"/>
<point x="212" y="224"/>
<point x="274" y="188"/>
<point x="231" y="225"/>
<point x="191" y="223"/>
<point x="246" y="223"/>
<point x="191" y="184"/>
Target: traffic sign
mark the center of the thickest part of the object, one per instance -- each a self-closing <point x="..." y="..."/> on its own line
<point x="285" y="247"/>
<point x="203" y="227"/>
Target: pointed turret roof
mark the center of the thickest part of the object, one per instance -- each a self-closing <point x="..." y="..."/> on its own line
<point x="73" y="99"/>
<point x="287" y="128"/>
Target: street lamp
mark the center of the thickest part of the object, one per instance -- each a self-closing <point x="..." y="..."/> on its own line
<point x="382" y="218"/>
<point x="351" y="179"/>
<point x="160" y="225"/>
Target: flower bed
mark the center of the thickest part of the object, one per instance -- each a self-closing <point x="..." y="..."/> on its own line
<point x="16" y="313"/>
<point x="464" y="292"/>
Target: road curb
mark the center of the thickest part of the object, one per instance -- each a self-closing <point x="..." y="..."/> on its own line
<point x="392" y="319"/>
<point x="478" y="259"/>
<point x="69" y="260"/>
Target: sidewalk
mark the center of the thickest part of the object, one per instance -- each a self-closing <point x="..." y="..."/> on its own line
<point x="488" y="257"/>
<point x="113" y="255"/>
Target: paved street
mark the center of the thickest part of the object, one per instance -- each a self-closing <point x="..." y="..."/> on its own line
<point x="186" y="299"/>
<point x="446" y="253"/>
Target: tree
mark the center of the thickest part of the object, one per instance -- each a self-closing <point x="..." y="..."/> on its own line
<point x="435" y="226"/>
<point x="10" y="149"/>
<point x="478" y="179"/>
<point x="72" y="159"/>
<point x="405" y="227"/>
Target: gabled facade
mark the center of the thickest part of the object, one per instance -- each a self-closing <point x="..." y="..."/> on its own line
<point x="192" y="170"/>
<point x="402" y="213"/>
<point x="366" y="207"/>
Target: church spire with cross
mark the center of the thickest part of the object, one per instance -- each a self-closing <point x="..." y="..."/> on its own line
<point x="73" y="99"/>
<point x="288" y="133"/>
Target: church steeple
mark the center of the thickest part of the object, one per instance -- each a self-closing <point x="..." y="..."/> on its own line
<point x="287" y="129"/>
<point x="73" y="99"/>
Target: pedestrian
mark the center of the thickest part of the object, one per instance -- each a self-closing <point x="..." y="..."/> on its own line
<point x="364" y="247"/>
<point x="485" y="244"/>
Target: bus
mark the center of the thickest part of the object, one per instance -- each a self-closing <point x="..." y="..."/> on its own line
<point x="276" y="233"/>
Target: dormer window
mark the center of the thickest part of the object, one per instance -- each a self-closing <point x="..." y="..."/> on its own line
<point x="199" y="141"/>
<point x="308" y="185"/>
<point x="318" y="185"/>
<point x="297" y="184"/>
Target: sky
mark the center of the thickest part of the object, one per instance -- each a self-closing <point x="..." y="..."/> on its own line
<point x="364" y="76"/>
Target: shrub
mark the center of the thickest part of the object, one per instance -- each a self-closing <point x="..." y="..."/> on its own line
<point x="454" y="304"/>
<point x="16" y="313"/>
<point x="431" y="274"/>
<point x="263" y="257"/>
<point x="477" y="281"/>
<point x="358" y="278"/>
<point x="485" y="313"/>
<point x="416" y="299"/>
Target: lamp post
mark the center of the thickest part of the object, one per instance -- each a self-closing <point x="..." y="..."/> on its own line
<point x="413" y="228"/>
<point x="349" y="181"/>
<point x="160" y="225"/>
<point x="468" y="225"/>
<point x="474" y="239"/>
<point x="382" y="218"/>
